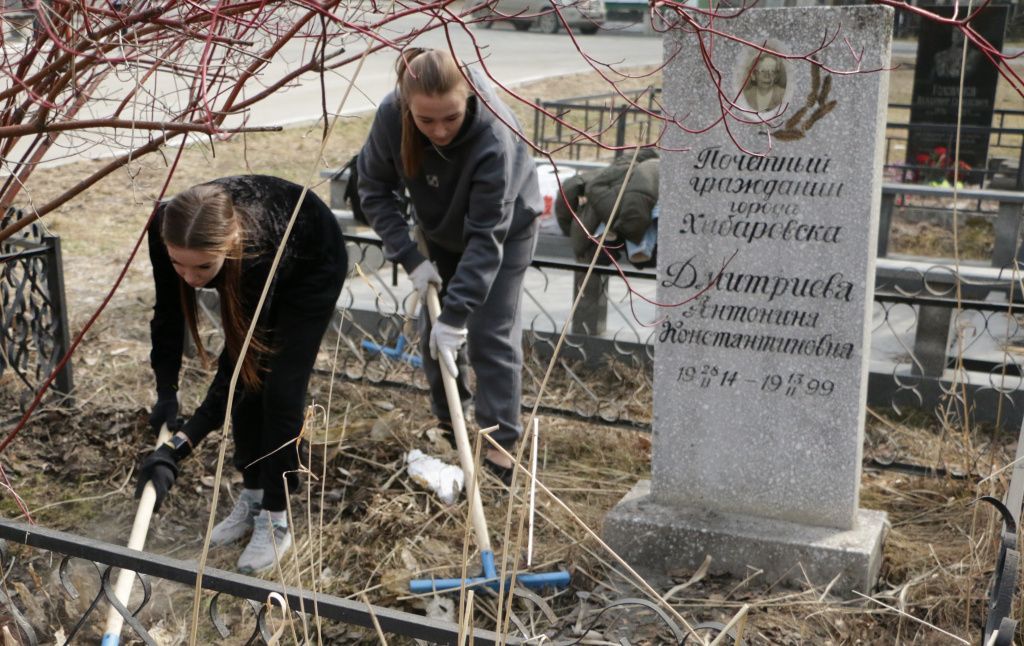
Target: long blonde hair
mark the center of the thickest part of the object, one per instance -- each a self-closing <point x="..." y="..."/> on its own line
<point x="432" y="72"/>
<point x="204" y="218"/>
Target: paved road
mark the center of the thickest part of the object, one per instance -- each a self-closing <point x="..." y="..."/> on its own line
<point x="512" y="57"/>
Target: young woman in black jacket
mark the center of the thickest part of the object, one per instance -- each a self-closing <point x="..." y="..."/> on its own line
<point x="223" y="235"/>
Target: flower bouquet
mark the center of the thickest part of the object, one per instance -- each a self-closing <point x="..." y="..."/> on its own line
<point x="937" y="168"/>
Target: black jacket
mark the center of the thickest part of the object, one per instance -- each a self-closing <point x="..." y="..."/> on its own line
<point x="315" y="244"/>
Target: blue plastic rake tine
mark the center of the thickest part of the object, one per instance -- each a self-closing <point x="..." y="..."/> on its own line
<point x="397" y="352"/>
<point x="490" y="580"/>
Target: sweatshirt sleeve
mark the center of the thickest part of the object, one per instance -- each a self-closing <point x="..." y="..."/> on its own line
<point x="167" y="330"/>
<point x="491" y="208"/>
<point x="378" y="183"/>
<point x="210" y="414"/>
<point x="167" y="327"/>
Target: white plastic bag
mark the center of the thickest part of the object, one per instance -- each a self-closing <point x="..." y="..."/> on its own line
<point x="550" y="193"/>
<point x="440" y="477"/>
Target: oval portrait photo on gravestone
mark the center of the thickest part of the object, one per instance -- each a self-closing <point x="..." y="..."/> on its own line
<point x="763" y="77"/>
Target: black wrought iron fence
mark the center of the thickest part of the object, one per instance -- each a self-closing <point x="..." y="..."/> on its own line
<point x="615" y="122"/>
<point x="304" y="607"/>
<point x="928" y="347"/>
<point x="34" y="329"/>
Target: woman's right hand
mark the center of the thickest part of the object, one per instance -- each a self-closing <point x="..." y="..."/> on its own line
<point x="423" y="277"/>
<point x="445" y="341"/>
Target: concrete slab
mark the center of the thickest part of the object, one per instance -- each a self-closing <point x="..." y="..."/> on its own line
<point x="656" y="539"/>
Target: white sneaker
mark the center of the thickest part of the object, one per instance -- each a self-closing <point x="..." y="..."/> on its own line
<point x="238" y="523"/>
<point x="268" y="543"/>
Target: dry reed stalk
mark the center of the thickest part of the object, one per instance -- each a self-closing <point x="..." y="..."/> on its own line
<point x="561" y="338"/>
<point x="737" y="618"/>
<point x="637" y="578"/>
<point x="466" y="621"/>
<point x="373" y="618"/>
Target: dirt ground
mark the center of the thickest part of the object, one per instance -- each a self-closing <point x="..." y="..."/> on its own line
<point x="73" y="468"/>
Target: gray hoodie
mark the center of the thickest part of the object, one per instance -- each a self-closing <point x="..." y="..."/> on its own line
<point x="468" y="196"/>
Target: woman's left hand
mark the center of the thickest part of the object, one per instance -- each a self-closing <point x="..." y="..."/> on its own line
<point x="160" y="468"/>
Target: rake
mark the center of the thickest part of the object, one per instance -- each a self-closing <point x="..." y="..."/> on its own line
<point x="490" y="578"/>
<point x="396" y="352"/>
<point x="136" y="541"/>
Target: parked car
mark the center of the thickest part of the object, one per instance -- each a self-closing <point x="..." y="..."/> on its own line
<point x="585" y="16"/>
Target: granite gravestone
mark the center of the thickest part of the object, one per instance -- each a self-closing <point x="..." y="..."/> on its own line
<point x="768" y="231"/>
<point x="937" y="95"/>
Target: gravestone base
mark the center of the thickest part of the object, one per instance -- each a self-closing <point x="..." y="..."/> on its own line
<point x="656" y="538"/>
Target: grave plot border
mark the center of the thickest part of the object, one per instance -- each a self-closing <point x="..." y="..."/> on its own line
<point x="148" y="565"/>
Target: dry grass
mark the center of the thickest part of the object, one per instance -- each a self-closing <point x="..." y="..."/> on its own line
<point x="378" y="529"/>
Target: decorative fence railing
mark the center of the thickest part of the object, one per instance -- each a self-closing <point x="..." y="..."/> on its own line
<point x="928" y="347"/>
<point x="617" y="123"/>
<point x="33" y="325"/>
<point x="305" y="606"/>
<point x="941" y="333"/>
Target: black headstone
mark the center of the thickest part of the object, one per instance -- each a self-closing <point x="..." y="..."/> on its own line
<point x="936" y="98"/>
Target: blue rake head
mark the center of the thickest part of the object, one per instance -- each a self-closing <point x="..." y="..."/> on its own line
<point x="398" y="352"/>
<point x="491" y="580"/>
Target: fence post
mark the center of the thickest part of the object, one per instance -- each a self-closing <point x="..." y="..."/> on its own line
<point x="885" y="222"/>
<point x="339" y="185"/>
<point x="1006" y="231"/>
<point x="58" y="306"/>
<point x="620" y="131"/>
<point x="538" y="124"/>
<point x="591" y="315"/>
<point x="931" y="339"/>
<point x="1020" y="169"/>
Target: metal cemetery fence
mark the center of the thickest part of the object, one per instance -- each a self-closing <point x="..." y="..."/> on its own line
<point x="918" y="332"/>
<point x="34" y="330"/>
<point x="928" y="347"/>
<point x="240" y="606"/>
<point x="256" y="594"/>
<point x="619" y="124"/>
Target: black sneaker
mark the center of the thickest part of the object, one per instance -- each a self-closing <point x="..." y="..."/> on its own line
<point x="448" y="433"/>
<point x="501" y="473"/>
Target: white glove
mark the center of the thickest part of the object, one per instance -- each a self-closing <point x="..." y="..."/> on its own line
<point x="445" y="340"/>
<point x="423" y="276"/>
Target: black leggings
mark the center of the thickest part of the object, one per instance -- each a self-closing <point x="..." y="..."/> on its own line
<point x="265" y="423"/>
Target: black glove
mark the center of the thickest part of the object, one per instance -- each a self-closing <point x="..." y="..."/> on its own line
<point x="161" y="468"/>
<point x="165" y="411"/>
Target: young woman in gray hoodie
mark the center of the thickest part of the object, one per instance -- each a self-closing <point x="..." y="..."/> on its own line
<point x="453" y="145"/>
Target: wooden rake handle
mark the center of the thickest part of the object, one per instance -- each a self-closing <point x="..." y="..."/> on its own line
<point x="451" y="390"/>
<point x="136" y="541"/>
